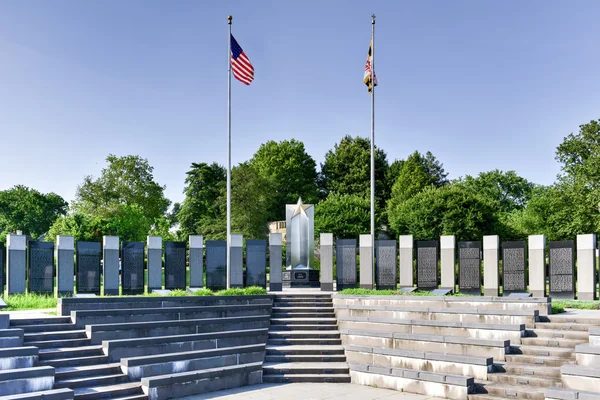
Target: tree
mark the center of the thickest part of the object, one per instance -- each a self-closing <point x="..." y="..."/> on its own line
<point x="127" y="180"/>
<point x="82" y="227"/>
<point x="344" y="215"/>
<point x="447" y="210"/>
<point x="28" y="210"/>
<point x="347" y="170"/>
<point x="292" y="173"/>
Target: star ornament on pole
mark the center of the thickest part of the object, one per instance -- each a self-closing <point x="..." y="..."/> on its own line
<point x="300" y="208"/>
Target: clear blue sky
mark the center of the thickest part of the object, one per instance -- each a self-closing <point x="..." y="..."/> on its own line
<point x="481" y="84"/>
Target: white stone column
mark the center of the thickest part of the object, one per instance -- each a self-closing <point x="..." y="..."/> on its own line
<point x="491" y="256"/>
<point x="326" y="278"/>
<point x="586" y="267"/>
<point x="196" y="261"/>
<point x="448" y="262"/>
<point x="15" y="263"/>
<point x="110" y="261"/>
<point x="275" y="262"/>
<point x="537" y="265"/>
<point x="237" y="260"/>
<point x="155" y="272"/>
<point x="366" y="262"/>
<point x="406" y="243"/>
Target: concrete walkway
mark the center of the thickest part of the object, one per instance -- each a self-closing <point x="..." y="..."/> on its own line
<point x="309" y="391"/>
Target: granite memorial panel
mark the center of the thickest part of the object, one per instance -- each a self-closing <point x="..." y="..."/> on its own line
<point x="386" y="262"/>
<point x="275" y="261"/>
<point x="216" y="264"/>
<point x="88" y="267"/>
<point x="469" y="267"/>
<point x="427" y="264"/>
<point x="514" y="270"/>
<point x="40" y="267"/>
<point x="111" y="265"/>
<point x="562" y="269"/>
<point x="346" y="263"/>
<point x="155" y="263"/>
<point x="65" y="264"/>
<point x="256" y="263"/>
<point x="175" y="259"/>
<point x="2" y="268"/>
<point x="196" y="261"/>
<point x="16" y="264"/>
<point x="132" y="261"/>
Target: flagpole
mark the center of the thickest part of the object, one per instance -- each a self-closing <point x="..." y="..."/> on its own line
<point x="229" y="18"/>
<point x="373" y="145"/>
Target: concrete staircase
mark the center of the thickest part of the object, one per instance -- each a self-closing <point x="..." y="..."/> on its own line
<point x="534" y="365"/>
<point x="304" y="342"/>
<point x="79" y="365"/>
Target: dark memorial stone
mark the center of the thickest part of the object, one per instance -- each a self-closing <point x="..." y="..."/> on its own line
<point x="514" y="279"/>
<point x="346" y="263"/>
<point x="132" y="261"/>
<point x="427" y="264"/>
<point x="216" y="264"/>
<point x="2" y="269"/>
<point x="175" y="258"/>
<point x="88" y="267"/>
<point x="40" y="260"/>
<point x="256" y="263"/>
<point x="386" y="265"/>
<point x="469" y="268"/>
<point x="562" y="269"/>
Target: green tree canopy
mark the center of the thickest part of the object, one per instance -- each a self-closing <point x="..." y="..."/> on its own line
<point x="28" y="210"/>
<point x="347" y="170"/>
<point x="292" y="173"/>
<point x="344" y="215"/>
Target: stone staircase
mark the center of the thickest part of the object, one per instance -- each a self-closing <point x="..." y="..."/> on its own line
<point x="304" y="342"/>
<point x="79" y="365"/>
<point x="534" y="365"/>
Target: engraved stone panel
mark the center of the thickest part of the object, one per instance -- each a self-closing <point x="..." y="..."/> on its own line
<point x="386" y="259"/>
<point x="132" y="261"/>
<point x="514" y="277"/>
<point x="40" y="260"/>
<point x="427" y="264"/>
<point x="196" y="267"/>
<point x="469" y="267"/>
<point x="216" y="264"/>
<point x="256" y="263"/>
<point x="88" y="267"/>
<point x="562" y="269"/>
<point x="175" y="258"/>
<point x="346" y="263"/>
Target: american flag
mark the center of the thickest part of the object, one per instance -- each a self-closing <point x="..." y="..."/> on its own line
<point x="367" y="75"/>
<point x="241" y="66"/>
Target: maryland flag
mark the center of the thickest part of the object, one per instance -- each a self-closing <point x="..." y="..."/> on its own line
<point x="367" y="76"/>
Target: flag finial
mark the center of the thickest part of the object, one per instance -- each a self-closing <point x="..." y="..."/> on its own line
<point x="373" y="19"/>
<point x="229" y="18"/>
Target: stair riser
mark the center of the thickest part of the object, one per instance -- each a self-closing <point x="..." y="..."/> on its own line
<point x="548" y="342"/>
<point x="302" y="323"/>
<point x="311" y="335"/>
<point x="306" y="327"/>
<point x="109" y="395"/>
<point x="46" y="328"/>
<point x="316" y="358"/>
<point x="61" y="376"/>
<point x="70" y="354"/>
<point x="500" y="392"/>
<point x="41" y="321"/>
<point x="524" y="381"/>
<point x="92" y="382"/>
<point x="312" y="342"/>
<point x="298" y="371"/>
<point x="557" y="335"/>
<point x="533" y="360"/>
<point x="538" y="353"/>
<point x="75" y="362"/>
<point x="304" y="304"/>
<point x="581" y="321"/>
<point x="302" y="315"/>
<point x="58" y="344"/>
<point x="29" y="337"/>
<point x="302" y="352"/>
<point x="524" y="372"/>
<point x="311" y="379"/>
<point x="562" y="327"/>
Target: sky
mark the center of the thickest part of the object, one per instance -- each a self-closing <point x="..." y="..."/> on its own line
<point x="480" y="84"/>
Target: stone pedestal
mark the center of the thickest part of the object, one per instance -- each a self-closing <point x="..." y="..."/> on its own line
<point x="406" y="261"/>
<point x="448" y="262"/>
<point x="586" y="267"/>
<point x="326" y="261"/>
<point x="537" y="265"/>
<point x="236" y="261"/>
<point x="15" y="263"/>
<point x="110" y="257"/>
<point x="366" y="262"/>
<point x="196" y="261"/>
<point x="155" y="273"/>
<point x="491" y="247"/>
<point x="275" y="262"/>
<point x="65" y="264"/>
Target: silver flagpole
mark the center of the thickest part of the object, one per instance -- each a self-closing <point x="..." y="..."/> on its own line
<point x="229" y="18"/>
<point x="373" y="145"/>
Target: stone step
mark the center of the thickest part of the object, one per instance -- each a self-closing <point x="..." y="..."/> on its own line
<point x="303" y="368"/>
<point x="528" y="370"/>
<point x="308" y="350"/>
<point x="47" y="327"/>
<point x="552" y="342"/>
<point x="302" y="304"/>
<point x="53" y="344"/>
<point x="302" y="358"/>
<point x="304" y="321"/>
<point x="304" y="341"/>
<point x="511" y="379"/>
<point x="307" y="314"/>
<point x="75" y="361"/>
<point x="505" y="391"/>
<point x="54" y="335"/>
<point x="302" y="297"/>
<point x="134" y="397"/>
<point x="89" y="381"/>
<point x="48" y="354"/>
<point x="313" y="327"/>
<point x="40" y="321"/>
<point x="561" y="326"/>
<point x="543" y="351"/>
<point x="557" y="318"/>
<point x="109" y="392"/>
<point x="317" y="311"/>
<point x="63" y="373"/>
<point x="304" y="334"/>
<point x="537" y="360"/>
<point x="314" y="378"/>
<point x="556" y="334"/>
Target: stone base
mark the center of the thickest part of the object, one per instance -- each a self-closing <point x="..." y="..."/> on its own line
<point x="585" y="296"/>
<point x="490" y="292"/>
<point x="275" y="287"/>
<point x="538" y="293"/>
<point x="451" y="289"/>
<point x="111" y="292"/>
<point x="367" y="286"/>
<point x="327" y="286"/>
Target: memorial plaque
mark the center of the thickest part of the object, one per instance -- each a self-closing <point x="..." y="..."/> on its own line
<point x="88" y="267"/>
<point x="216" y="264"/>
<point x="346" y="263"/>
<point x="2" y="269"/>
<point x="132" y="261"/>
<point x="427" y="264"/>
<point x="562" y="269"/>
<point x="386" y="264"/>
<point x="469" y="268"/>
<point x="256" y="263"/>
<point x="40" y="267"/>
<point x="514" y="279"/>
<point x="175" y="258"/>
